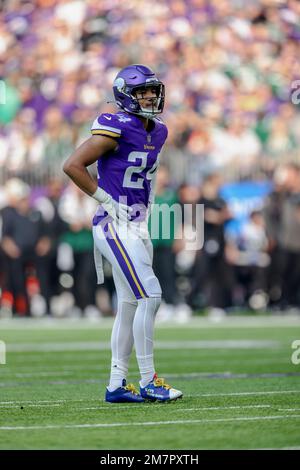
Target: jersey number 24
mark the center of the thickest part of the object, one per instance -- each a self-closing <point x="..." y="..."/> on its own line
<point x="131" y="178"/>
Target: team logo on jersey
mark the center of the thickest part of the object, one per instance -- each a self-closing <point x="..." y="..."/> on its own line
<point x="123" y="118"/>
<point x="149" y="147"/>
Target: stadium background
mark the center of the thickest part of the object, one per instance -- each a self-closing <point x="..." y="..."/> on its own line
<point x="233" y="144"/>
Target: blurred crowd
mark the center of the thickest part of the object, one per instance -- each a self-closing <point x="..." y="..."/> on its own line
<point x="47" y="263"/>
<point x="228" y="67"/>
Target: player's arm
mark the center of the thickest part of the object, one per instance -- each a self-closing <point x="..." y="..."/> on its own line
<point x="89" y="152"/>
<point x="76" y="168"/>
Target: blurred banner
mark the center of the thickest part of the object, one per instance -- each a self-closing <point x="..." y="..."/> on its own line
<point x="243" y="198"/>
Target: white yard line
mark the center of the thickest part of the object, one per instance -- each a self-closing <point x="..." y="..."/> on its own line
<point x="37" y="374"/>
<point x="30" y="405"/>
<point x="288" y="409"/>
<point x="146" y="423"/>
<point x="235" y="321"/>
<point x="22" y="402"/>
<point x="10" y="376"/>
<point x="70" y="368"/>
<point x="289" y="448"/>
<point x="175" y="410"/>
<point x="213" y="408"/>
<point x="234" y="394"/>
<point x="112" y="406"/>
<point x="105" y="345"/>
<point x="277" y="448"/>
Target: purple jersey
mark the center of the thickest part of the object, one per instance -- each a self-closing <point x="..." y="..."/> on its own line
<point x="126" y="172"/>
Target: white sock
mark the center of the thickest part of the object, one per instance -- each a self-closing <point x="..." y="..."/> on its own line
<point x="143" y="330"/>
<point x="121" y="343"/>
<point x="117" y="374"/>
<point x="146" y="366"/>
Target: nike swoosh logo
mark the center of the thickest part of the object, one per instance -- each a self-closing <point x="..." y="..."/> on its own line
<point x="109" y="118"/>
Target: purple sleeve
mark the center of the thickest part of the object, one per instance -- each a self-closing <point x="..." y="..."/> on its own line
<point x="108" y="125"/>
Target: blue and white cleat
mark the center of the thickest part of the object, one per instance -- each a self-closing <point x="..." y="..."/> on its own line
<point x="157" y="389"/>
<point x="125" y="394"/>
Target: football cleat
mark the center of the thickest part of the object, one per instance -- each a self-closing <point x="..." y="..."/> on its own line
<point x="125" y="394"/>
<point x="157" y="389"/>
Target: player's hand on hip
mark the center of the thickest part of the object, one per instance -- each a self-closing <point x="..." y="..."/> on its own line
<point x="122" y="211"/>
<point x="109" y="207"/>
<point x="115" y="209"/>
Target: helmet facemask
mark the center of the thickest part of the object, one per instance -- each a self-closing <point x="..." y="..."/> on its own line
<point x="149" y="106"/>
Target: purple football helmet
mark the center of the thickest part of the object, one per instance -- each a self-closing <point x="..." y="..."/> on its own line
<point x="135" y="78"/>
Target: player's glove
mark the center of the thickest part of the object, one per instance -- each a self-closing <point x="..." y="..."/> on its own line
<point x="115" y="209"/>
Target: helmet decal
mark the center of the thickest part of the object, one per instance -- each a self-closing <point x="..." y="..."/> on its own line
<point x="119" y="83"/>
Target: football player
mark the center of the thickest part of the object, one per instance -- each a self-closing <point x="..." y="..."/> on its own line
<point x="126" y="146"/>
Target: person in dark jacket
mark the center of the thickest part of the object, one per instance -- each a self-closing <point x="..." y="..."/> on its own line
<point x="26" y="245"/>
<point x="212" y="276"/>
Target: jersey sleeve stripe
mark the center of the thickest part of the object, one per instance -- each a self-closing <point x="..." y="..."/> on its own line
<point x="104" y="132"/>
<point x="107" y="128"/>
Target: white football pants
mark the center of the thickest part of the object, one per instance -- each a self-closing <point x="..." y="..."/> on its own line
<point x="139" y="294"/>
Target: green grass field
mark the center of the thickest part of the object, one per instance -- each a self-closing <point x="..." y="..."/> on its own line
<point x="241" y="390"/>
